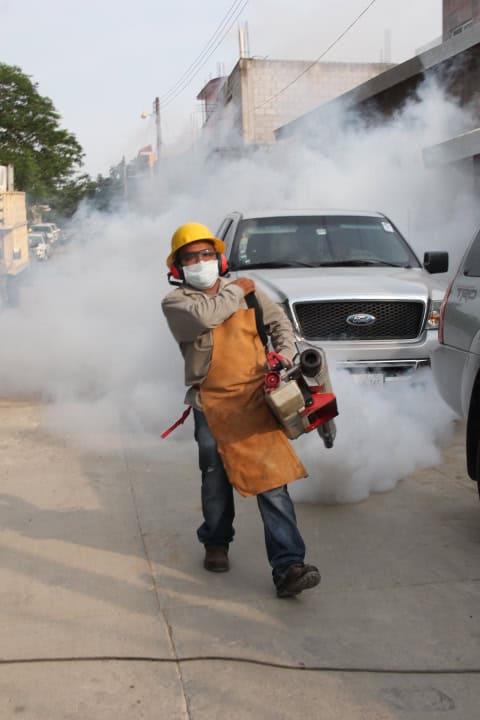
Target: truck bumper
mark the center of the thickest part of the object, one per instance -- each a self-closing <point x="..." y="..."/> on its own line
<point x="393" y="360"/>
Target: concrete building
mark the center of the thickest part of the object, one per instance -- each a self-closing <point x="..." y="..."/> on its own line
<point x="14" y="255"/>
<point x="455" y="62"/>
<point x="260" y="95"/>
<point x="459" y="15"/>
<point x="209" y="95"/>
<point x="144" y="162"/>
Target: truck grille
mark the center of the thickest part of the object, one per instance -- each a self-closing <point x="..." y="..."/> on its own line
<point x="328" y="320"/>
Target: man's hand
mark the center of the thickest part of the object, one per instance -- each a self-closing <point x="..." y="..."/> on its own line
<point x="247" y="285"/>
<point x="275" y="359"/>
<point x="287" y="364"/>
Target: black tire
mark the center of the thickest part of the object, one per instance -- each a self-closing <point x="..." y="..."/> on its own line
<point x="477" y="471"/>
<point x="473" y="434"/>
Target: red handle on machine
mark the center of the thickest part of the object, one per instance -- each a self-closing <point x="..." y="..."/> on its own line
<point x="274" y="361"/>
<point x="274" y="365"/>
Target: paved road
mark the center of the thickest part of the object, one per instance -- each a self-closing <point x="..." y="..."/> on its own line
<point x="100" y="572"/>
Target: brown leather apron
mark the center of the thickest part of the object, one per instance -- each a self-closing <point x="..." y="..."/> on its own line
<point x="255" y="451"/>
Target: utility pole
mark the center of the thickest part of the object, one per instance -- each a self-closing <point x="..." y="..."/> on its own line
<point x="158" y="126"/>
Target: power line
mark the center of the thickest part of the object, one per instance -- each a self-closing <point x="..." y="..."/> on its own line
<point x="320" y="57"/>
<point x="205" y="60"/>
<point x="225" y="19"/>
<point x="229" y="20"/>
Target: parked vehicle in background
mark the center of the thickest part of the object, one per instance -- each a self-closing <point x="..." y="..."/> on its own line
<point x="456" y="361"/>
<point x="14" y="255"/>
<point x="39" y="246"/>
<point x="42" y="251"/>
<point x="349" y="282"/>
<point x="47" y="230"/>
<point x="56" y="231"/>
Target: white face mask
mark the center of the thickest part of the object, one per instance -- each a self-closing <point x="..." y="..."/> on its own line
<point x="202" y="275"/>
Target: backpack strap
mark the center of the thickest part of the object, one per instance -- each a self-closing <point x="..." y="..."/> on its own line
<point x="253" y="304"/>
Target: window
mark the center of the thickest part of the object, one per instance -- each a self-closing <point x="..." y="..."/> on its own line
<point x="472" y="263"/>
<point x="316" y="241"/>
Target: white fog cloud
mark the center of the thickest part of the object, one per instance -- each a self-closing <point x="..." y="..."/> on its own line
<point x="90" y="336"/>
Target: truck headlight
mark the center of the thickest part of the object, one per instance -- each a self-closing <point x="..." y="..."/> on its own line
<point x="433" y="319"/>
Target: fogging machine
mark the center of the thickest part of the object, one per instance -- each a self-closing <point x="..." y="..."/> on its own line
<point x="300" y="397"/>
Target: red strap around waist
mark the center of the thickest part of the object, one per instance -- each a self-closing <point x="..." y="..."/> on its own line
<point x="177" y="424"/>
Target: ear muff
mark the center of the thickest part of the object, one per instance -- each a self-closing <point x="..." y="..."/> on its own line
<point x="223" y="266"/>
<point x="176" y="272"/>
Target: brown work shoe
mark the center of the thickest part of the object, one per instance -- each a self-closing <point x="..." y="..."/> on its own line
<point x="298" y="577"/>
<point x="216" y="559"/>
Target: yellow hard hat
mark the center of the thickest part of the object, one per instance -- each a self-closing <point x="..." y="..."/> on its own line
<point x="190" y="233"/>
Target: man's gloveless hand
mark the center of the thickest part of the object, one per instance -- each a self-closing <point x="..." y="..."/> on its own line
<point x="247" y="285"/>
<point x="286" y="362"/>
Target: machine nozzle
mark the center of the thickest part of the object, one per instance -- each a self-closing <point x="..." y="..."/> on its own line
<point x="310" y="362"/>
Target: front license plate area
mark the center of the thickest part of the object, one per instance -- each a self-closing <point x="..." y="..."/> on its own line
<point x="376" y="378"/>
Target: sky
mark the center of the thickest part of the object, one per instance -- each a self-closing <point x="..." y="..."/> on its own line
<point x="102" y="62"/>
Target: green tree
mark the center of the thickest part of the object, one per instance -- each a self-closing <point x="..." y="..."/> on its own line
<point x="45" y="155"/>
<point x="65" y="201"/>
<point x="108" y="192"/>
<point x="104" y="194"/>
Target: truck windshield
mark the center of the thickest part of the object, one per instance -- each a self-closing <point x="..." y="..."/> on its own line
<point x="320" y="241"/>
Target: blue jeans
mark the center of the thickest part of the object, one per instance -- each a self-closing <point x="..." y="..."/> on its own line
<point x="283" y="541"/>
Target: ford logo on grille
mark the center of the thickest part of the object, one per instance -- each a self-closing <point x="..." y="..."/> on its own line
<point x="361" y="319"/>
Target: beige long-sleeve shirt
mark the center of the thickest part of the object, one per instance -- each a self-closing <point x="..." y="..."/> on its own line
<point x="192" y="315"/>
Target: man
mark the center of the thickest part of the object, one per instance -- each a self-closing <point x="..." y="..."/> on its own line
<point x="240" y="442"/>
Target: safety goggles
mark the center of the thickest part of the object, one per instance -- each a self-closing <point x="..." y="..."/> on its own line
<point x="191" y="258"/>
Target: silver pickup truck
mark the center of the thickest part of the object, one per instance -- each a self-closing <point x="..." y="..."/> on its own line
<point x="349" y="282"/>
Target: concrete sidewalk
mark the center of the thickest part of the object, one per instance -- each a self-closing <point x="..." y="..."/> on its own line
<point x="99" y="560"/>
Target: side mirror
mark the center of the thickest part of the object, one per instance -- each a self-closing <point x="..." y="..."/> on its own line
<point x="435" y="262"/>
